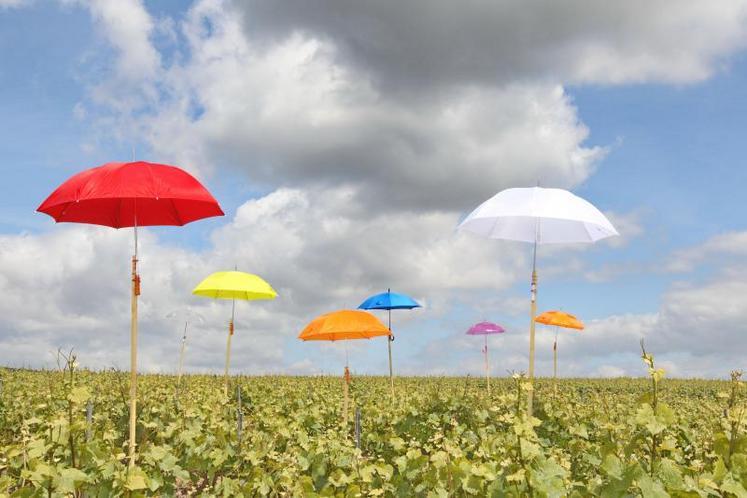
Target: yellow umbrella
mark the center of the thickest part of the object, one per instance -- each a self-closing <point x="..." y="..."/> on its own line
<point x="558" y="319"/>
<point x="234" y="285"/>
<point x="340" y="326"/>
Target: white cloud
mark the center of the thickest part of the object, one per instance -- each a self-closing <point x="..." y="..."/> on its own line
<point x="127" y="26"/>
<point x="321" y="256"/>
<point x="731" y="244"/>
<point x="11" y="4"/>
<point x="317" y="254"/>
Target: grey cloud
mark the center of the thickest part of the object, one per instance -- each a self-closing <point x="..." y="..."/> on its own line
<point x="290" y="112"/>
<point x="429" y="105"/>
<point x="423" y="46"/>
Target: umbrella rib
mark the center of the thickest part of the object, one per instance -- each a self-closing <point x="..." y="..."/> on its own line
<point x="495" y="224"/>
<point x="586" y="229"/>
<point x="64" y="210"/>
<point x="117" y="214"/>
<point x="176" y="213"/>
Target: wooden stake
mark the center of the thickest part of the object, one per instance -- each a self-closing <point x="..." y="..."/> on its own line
<point x="89" y="421"/>
<point x="345" y="390"/>
<point x="389" y="341"/>
<point x="133" y="357"/>
<point x="533" y="313"/>
<point x="239" y="415"/>
<point x="487" y="365"/>
<point x="228" y="346"/>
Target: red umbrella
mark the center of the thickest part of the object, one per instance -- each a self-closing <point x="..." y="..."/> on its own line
<point x="133" y="194"/>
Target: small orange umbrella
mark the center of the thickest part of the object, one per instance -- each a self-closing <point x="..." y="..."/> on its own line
<point x="558" y="319"/>
<point x="344" y="325"/>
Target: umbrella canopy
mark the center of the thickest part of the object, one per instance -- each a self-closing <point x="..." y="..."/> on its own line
<point x="560" y="319"/>
<point x="122" y="195"/>
<point x="234" y="285"/>
<point x="485" y="328"/>
<point x="131" y="194"/>
<point x="344" y="325"/>
<point x="541" y="215"/>
<point x="389" y="301"/>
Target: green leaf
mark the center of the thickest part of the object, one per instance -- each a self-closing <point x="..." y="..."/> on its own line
<point x="612" y="466"/>
<point x="731" y="486"/>
<point x="136" y="479"/>
<point x="650" y="488"/>
<point x="79" y="395"/>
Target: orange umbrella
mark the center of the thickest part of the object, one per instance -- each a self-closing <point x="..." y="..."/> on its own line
<point x="558" y="319"/>
<point x="344" y="325"/>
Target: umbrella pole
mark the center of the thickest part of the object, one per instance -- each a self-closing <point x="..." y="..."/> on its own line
<point x="487" y="365"/>
<point x="228" y="347"/>
<point x="389" y="345"/>
<point x="530" y="394"/>
<point x="133" y="354"/>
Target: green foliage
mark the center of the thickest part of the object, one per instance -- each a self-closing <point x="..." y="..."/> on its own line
<point x="440" y="437"/>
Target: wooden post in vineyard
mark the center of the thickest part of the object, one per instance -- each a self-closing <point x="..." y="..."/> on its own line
<point x="89" y="421"/>
<point x="358" y="427"/>
<point x="239" y="415"/>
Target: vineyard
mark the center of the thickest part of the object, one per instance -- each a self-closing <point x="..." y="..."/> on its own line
<point x="64" y="433"/>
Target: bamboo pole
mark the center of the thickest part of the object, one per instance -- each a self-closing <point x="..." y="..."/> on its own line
<point x="389" y="341"/>
<point x="228" y="346"/>
<point x="533" y="312"/>
<point x="133" y="355"/>
<point x="487" y="365"/>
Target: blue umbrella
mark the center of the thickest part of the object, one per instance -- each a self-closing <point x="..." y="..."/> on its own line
<point x="389" y="301"/>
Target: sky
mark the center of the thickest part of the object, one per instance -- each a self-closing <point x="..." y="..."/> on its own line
<point x="345" y="142"/>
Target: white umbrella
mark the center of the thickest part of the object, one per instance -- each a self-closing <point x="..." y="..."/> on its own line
<point x="539" y="216"/>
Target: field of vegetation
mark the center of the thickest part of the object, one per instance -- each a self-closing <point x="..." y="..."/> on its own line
<point x="63" y="433"/>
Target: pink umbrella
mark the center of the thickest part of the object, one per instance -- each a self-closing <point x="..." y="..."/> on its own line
<point x="485" y="329"/>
